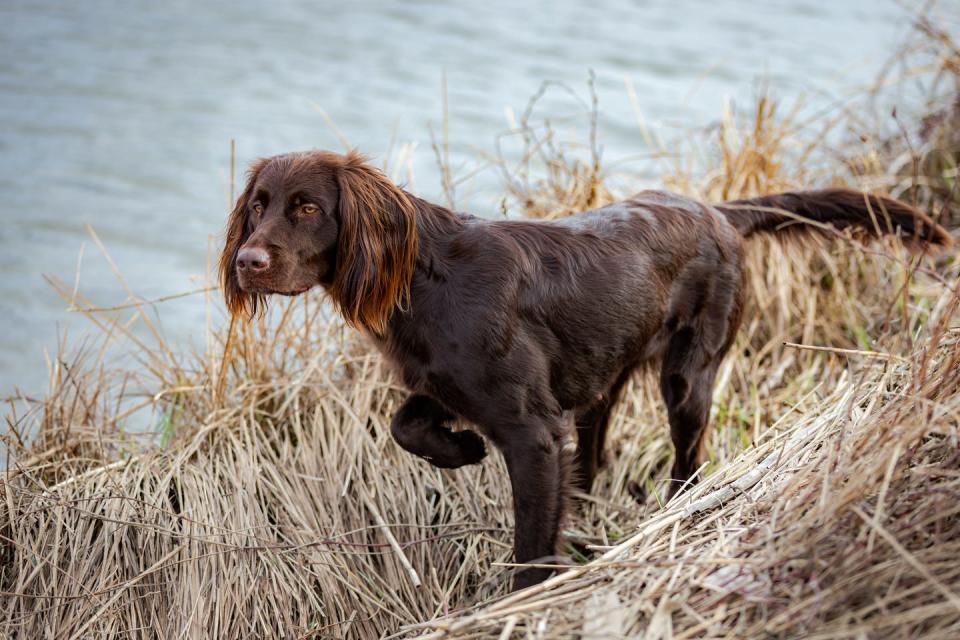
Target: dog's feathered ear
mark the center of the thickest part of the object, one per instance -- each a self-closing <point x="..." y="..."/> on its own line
<point x="238" y="301"/>
<point x="377" y="245"/>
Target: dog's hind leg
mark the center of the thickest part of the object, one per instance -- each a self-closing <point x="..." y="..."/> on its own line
<point x="705" y="310"/>
<point x="686" y="382"/>
<point x="418" y="426"/>
<point x="592" y="427"/>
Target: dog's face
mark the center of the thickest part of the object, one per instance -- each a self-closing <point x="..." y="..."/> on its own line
<point x="319" y="218"/>
<point x="291" y="218"/>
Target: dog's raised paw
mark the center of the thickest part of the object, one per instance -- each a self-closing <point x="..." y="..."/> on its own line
<point x="472" y="447"/>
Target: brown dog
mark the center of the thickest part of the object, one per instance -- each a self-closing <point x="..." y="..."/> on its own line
<point x="526" y="329"/>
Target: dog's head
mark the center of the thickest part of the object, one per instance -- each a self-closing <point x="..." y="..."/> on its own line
<point x="320" y="218"/>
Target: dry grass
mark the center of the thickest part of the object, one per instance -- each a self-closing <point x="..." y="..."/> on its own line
<point x="267" y="498"/>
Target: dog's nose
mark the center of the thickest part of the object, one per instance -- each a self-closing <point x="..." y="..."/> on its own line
<point x="252" y="259"/>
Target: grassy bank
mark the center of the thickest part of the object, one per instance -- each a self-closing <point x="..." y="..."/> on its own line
<point x="272" y="502"/>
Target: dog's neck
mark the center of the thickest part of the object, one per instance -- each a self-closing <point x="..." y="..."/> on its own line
<point x="436" y="227"/>
<point x="407" y="333"/>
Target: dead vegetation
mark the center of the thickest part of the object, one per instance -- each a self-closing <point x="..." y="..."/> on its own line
<point x="267" y="499"/>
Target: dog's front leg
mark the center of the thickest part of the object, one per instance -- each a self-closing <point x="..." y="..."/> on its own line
<point x="537" y="470"/>
<point x="418" y="427"/>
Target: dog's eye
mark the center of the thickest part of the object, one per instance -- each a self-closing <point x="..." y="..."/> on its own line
<point x="258" y="208"/>
<point x="309" y="209"/>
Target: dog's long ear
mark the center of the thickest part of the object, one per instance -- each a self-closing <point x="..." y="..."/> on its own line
<point x="238" y="230"/>
<point x="377" y="245"/>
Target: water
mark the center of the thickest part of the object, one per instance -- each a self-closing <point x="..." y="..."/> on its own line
<point x="119" y="115"/>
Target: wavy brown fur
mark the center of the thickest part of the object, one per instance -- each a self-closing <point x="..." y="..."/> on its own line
<point x="377" y="247"/>
<point x="840" y="208"/>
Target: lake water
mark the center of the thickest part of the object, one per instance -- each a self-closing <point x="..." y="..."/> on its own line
<point x="120" y="114"/>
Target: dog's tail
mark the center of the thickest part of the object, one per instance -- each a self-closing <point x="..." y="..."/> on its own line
<point x="808" y="212"/>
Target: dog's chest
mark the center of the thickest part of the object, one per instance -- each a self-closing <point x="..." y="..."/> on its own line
<point x="409" y="357"/>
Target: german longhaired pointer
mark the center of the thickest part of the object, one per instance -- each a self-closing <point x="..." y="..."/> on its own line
<point x="526" y="329"/>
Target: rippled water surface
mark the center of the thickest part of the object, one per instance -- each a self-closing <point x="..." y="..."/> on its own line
<point x="119" y="114"/>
